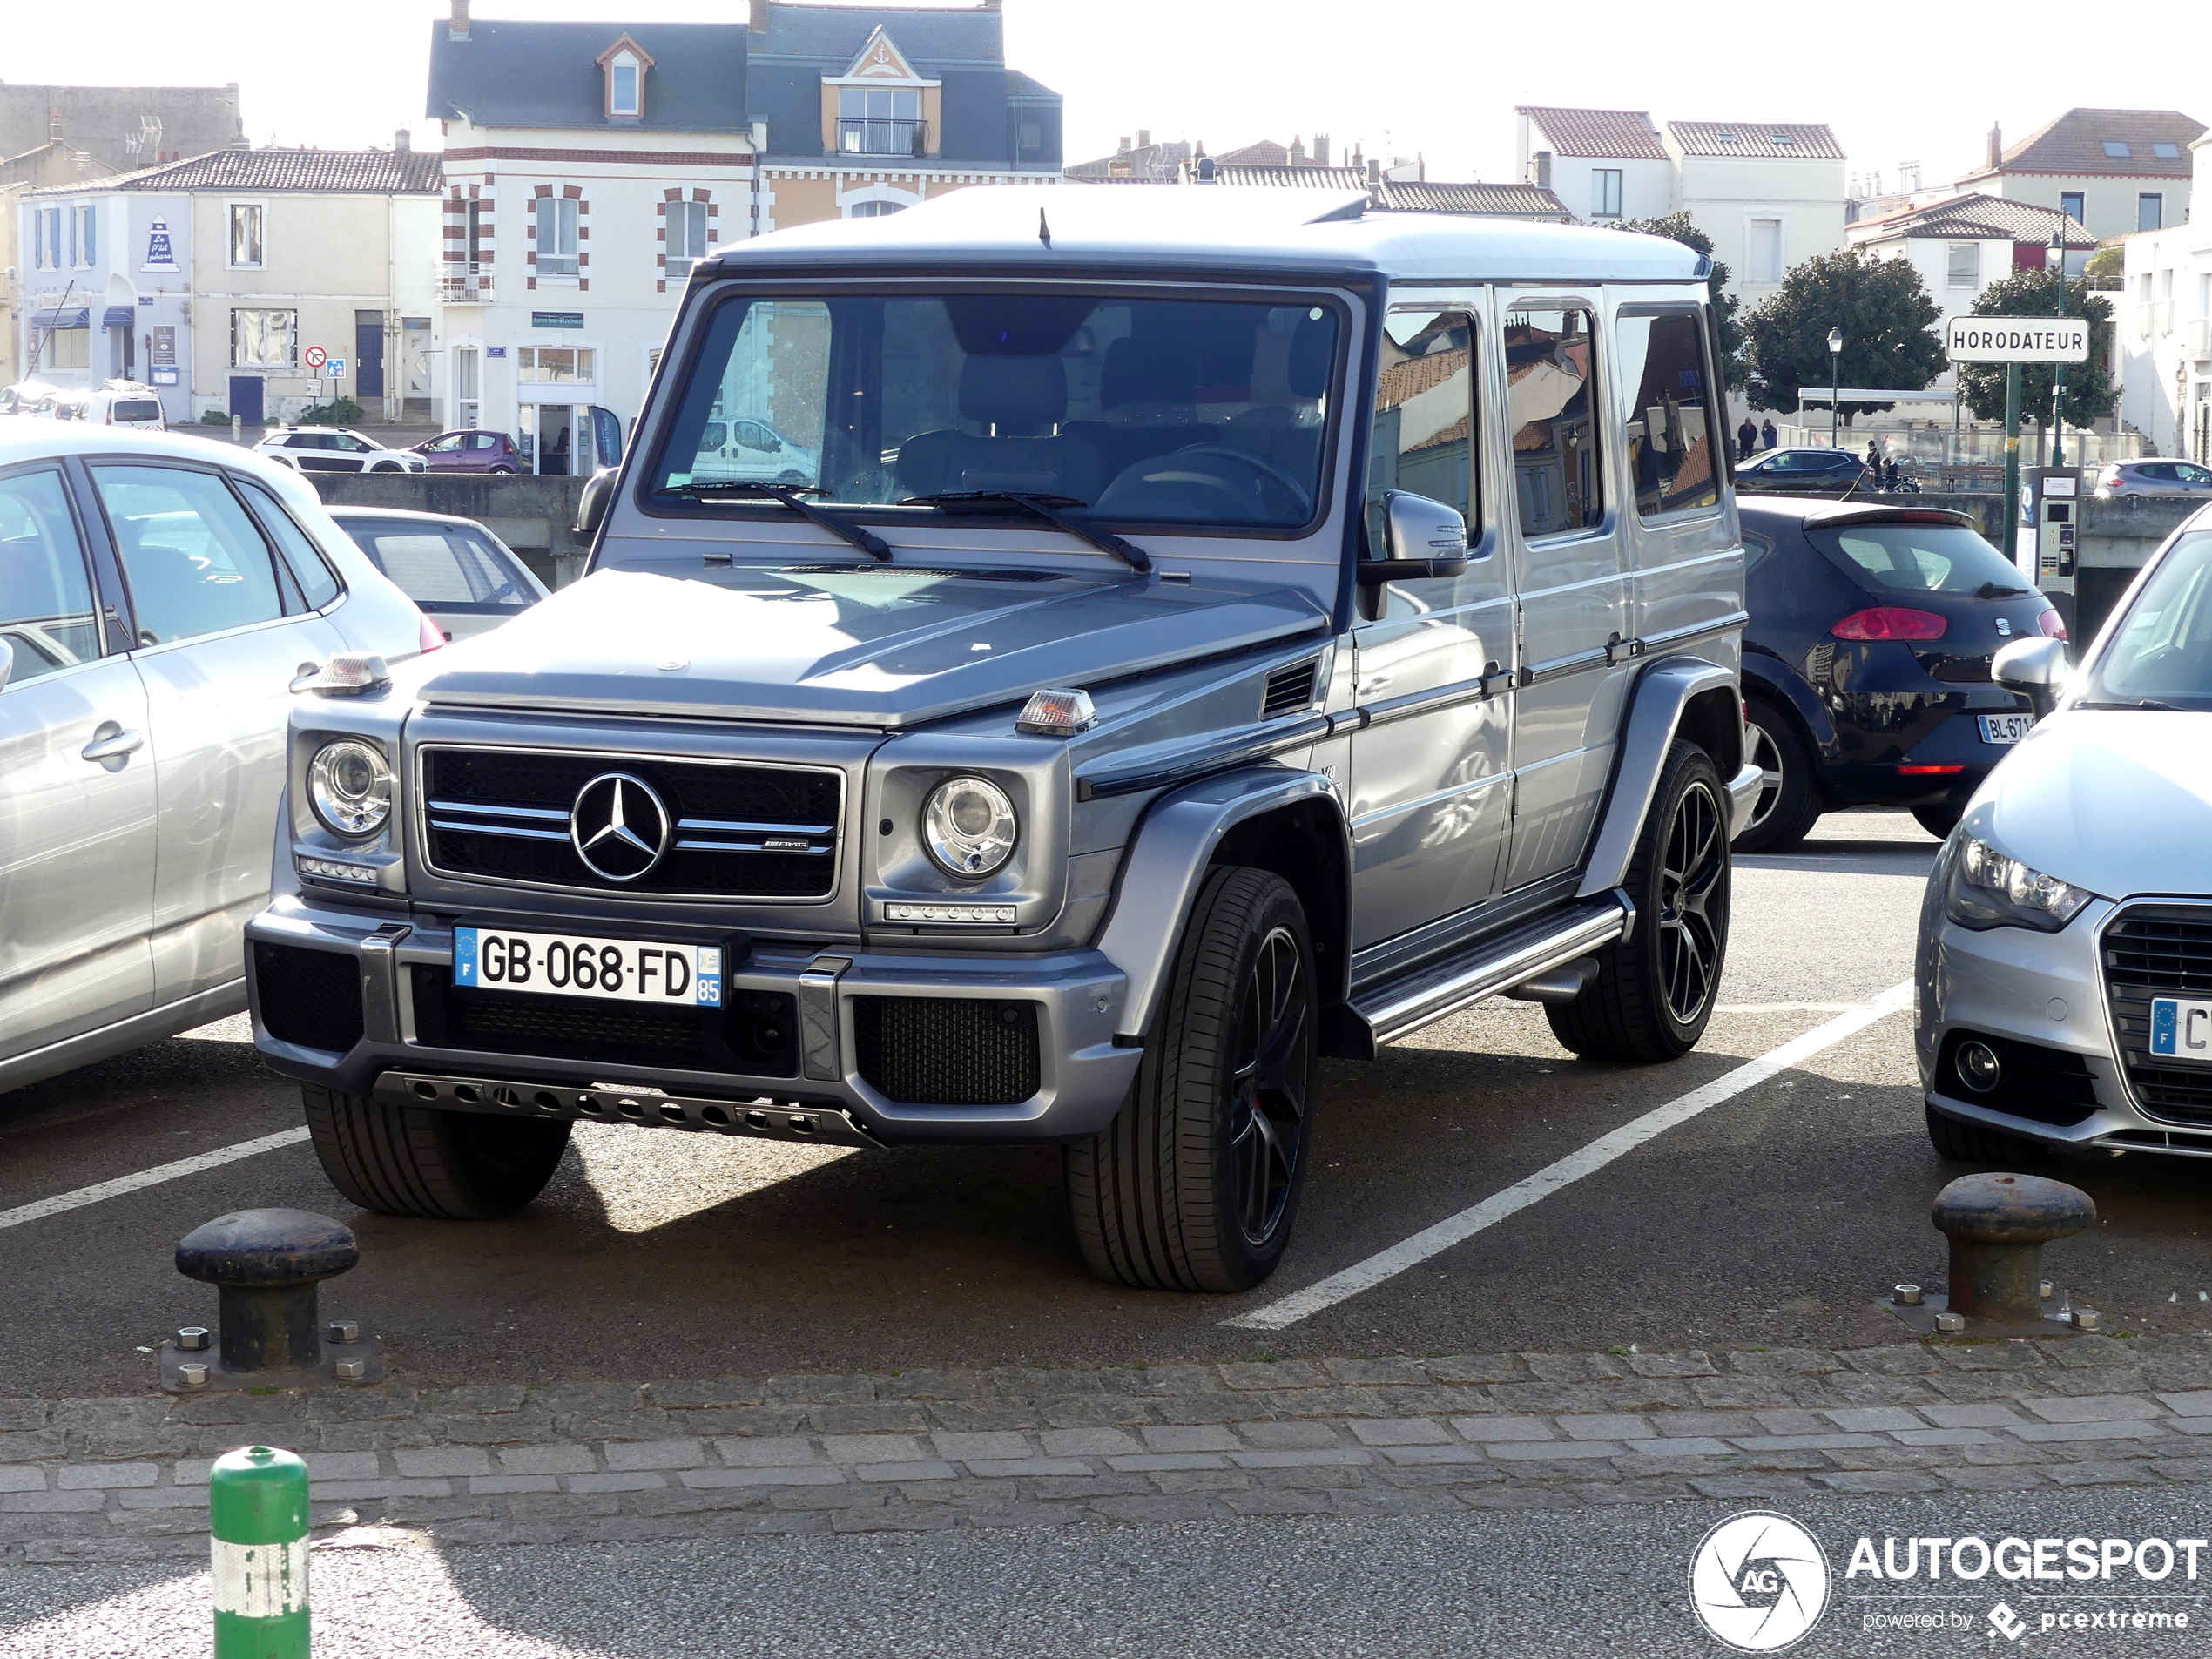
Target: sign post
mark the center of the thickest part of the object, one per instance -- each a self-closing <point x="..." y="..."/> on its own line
<point x="2011" y="341"/>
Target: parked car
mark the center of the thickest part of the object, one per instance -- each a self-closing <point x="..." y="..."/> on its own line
<point x="1866" y="662"/>
<point x="473" y="451"/>
<point x="32" y="399"/>
<point x="1090" y="753"/>
<point x="113" y="403"/>
<point x="466" y="579"/>
<point x="2065" y="963"/>
<point x="1802" y="472"/>
<point x="752" y="449"/>
<point x="322" y="449"/>
<point x="2153" y="478"/>
<point x="160" y="595"/>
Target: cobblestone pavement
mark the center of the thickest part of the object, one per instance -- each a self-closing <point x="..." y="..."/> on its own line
<point x="118" y="1479"/>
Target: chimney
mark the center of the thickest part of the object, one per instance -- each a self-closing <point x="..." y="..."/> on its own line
<point x="756" y="17"/>
<point x="1996" y="145"/>
<point x="1298" y="151"/>
<point x="1124" y="146"/>
<point x="402" y="142"/>
<point x="1374" y="170"/>
<point x="1144" y="137"/>
<point x="457" y="25"/>
<point x="1207" y="170"/>
<point x="54" y="125"/>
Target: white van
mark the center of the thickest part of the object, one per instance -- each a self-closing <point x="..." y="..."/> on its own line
<point x="128" y="403"/>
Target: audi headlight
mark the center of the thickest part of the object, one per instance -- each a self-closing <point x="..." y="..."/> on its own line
<point x="1986" y="890"/>
<point x="349" y="785"/>
<point x="969" y="827"/>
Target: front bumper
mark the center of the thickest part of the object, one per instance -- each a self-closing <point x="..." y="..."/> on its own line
<point x="1082" y="1074"/>
<point x="2044" y="989"/>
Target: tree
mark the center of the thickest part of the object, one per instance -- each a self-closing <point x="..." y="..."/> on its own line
<point x="2089" y="390"/>
<point x="2106" y="265"/>
<point x="1677" y="227"/>
<point x="1885" y="316"/>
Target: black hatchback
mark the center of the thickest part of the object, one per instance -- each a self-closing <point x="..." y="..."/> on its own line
<point x="1802" y="472"/>
<point x="1866" y="661"/>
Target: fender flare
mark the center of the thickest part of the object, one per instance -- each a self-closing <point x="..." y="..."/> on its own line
<point x="1166" y="863"/>
<point x="1657" y="704"/>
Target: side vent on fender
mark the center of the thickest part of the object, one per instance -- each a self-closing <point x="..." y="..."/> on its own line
<point x="1289" y="689"/>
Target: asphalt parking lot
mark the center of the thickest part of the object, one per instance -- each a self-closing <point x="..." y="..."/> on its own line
<point x="1773" y="1217"/>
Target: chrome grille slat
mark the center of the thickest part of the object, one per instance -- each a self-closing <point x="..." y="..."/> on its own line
<point x="2148" y="951"/>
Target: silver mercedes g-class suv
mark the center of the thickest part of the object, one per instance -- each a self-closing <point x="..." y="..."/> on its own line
<point x="1213" y="630"/>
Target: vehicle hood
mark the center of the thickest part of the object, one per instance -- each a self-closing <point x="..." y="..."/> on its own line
<point x="2117" y="802"/>
<point x="885" y="646"/>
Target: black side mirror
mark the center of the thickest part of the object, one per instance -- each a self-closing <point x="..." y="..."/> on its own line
<point x="591" y="506"/>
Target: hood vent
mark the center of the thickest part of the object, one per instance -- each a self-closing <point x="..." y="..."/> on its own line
<point x="1289" y="690"/>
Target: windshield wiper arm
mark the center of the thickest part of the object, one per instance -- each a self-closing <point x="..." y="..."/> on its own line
<point x="1991" y="591"/>
<point x="844" y="528"/>
<point x="1045" y="507"/>
<point x="2132" y="703"/>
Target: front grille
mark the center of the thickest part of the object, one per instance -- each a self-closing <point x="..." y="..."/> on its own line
<point x="946" y="1051"/>
<point x="753" y="1035"/>
<point x="739" y="830"/>
<point x="1289" y="690"/>
<point x="310" y="997"/>
<point x="2043" y="1085"/>
<point x="2150" y="951"/>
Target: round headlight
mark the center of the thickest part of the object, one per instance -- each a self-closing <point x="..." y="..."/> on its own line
<point x="969" y="827"/>
<point x="350" y="787"/>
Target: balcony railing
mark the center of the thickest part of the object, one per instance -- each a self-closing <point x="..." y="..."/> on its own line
<point x="2199" y="346"/>
<point x="463" y="283"/>
<point x="859" y="135"/>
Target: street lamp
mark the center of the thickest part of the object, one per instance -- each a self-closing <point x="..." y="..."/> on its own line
<point x="1835" y="388"/>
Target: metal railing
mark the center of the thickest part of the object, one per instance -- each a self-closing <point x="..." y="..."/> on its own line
<point x="462" y="282"/>
<point x="867" y="135"/>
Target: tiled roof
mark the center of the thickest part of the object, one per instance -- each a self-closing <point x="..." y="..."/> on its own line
<point x="1389" y="196"/>
<point x="2075" y="144"/>
<point x="536" y="74"/>
<point x="1265" y="153"/>
<point x="1771" y="140"/>
<point x="1975" y="215"/>
<point x="1621" y="135"/>
<point x="371" y="171"/>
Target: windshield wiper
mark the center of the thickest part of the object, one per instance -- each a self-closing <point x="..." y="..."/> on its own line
<point x="1991" y="591"/>
<point x="2149" y="702"/>
<point x="1045" y="507"/>
<point x="844" y="528"/>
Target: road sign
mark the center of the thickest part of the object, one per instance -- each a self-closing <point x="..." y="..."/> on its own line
<point x="314" y="357"/>
<point x="2017" y="340"/>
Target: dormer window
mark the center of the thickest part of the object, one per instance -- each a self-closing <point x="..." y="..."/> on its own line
<point x="625" y="64"/>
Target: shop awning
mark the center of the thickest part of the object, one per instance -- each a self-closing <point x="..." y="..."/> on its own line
<point x="63" y="317"/>
<point x="119" y="317"/>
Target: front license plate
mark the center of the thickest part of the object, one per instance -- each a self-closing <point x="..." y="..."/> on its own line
<point x="2180" y="1029"/>
<point x="2006" y="728"/>
<point x="619" y="970"/>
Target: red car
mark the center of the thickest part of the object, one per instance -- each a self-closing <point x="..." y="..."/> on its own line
<point x="473" y="452"/>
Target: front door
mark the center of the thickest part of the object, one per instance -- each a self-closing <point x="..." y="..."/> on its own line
<point x="219" y="652"/>
<point x="245" y="398"/>
<point x="1431" y="778"/>
<point x="549" y="438"/>
<point x="368" y="353"/>
<point x="77" y="787"/>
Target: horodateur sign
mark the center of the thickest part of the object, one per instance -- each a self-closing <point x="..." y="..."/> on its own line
<point x="2017" y="340"/>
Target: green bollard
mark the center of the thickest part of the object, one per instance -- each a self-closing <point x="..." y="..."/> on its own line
<point x="257" y="1507"/>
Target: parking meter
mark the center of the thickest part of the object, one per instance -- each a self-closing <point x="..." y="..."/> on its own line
<point x="2054" y="512"/>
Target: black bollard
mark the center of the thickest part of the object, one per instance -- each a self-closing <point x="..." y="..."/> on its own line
<point x="1997" y="1225"/>
<point x="266" y="1266"/>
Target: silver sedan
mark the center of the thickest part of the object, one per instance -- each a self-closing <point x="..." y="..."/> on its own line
<point x="160" y="595"/>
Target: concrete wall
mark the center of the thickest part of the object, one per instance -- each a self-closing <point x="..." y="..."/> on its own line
<point x="531" y="515"/>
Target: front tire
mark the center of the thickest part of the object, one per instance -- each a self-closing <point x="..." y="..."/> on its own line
<point x="1653" y="993"/>
<point x="1195" y="1186"/>
<point x="434" y="1166"/>
<point x="1789" y="801"/>
<point x="1963" y="1142"/>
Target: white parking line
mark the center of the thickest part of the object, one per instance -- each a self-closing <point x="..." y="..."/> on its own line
<point x="153" y="1177"/>
<point x="1365" y="1276"/>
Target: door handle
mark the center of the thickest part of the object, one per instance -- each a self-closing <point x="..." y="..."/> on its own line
<point x="112" y="742"/>
<point x="1372" y="683"/>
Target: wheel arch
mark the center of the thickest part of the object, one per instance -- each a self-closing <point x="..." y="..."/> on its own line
<point x="1678" y="696"/>
<point x="1774" y="680"/>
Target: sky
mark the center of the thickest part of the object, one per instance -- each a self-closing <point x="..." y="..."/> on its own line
<point x="1438" y="77"/>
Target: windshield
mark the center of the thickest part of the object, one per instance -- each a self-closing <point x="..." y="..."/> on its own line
<point x="2163" y="653"/>
<point x="1168" y="411"/>
<point x="1911" y="557"/>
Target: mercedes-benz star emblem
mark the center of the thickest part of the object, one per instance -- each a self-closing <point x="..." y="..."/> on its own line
<point x="619" y="826"/>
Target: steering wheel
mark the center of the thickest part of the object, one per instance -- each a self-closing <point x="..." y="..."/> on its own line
<point x="1293" y="492"/>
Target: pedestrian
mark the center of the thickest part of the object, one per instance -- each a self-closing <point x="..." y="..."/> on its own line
<point x="1747" y="438"/>
<point x="1769" y="438"/>
<point x="1874" y="457"/>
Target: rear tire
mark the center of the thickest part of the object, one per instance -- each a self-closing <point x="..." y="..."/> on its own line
<point x="1963" y="1142"/>
<point x="1654" y="992"/>
<point x="1789" y="802"/>
<point x="1938" y="821"/>
<point x="437" y="1166"/>
<point x="1195" y="1186"/>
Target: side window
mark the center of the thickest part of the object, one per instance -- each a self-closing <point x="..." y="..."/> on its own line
<point x="195" y="562"/>
<point x="301" y="556"/>
<point x="1551" y="372"/>
<point x="1757" y="546"/>
<point x="1423" y="426"/>
<point x="47" y="616"/>
<point x="1670" y="418"/>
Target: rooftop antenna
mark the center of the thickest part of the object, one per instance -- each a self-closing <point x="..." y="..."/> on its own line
<point x="1044" y="230"/>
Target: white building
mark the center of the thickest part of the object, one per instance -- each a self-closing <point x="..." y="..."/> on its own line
<point x="1770" y="195"/>
<point x="2165" y="330"/>
<point x="211" y="278"/>
<point x="2117" y="171"/>
<point x="1603" y="164"/>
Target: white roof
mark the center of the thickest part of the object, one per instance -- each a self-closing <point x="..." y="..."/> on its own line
<point x="1185" y="226"/>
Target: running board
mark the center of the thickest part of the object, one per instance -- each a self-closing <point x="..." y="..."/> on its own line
<point x="1382" y="1013"/>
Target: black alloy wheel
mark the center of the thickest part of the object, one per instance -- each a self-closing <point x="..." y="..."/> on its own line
<point x="1691" y="938"/>
<point x="1272" y="1078"/>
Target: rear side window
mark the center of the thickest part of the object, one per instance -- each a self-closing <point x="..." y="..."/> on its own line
<point x="1920" y="558"/>
<point x="443" y="566"/>
<point x="305" y="560"/>
<point x="1551" y="369"/>
<point x="194" y="560"/>
<point x="1670" y="419"/>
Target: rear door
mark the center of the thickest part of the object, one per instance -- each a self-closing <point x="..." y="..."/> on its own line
<point x="76" y="786"/>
